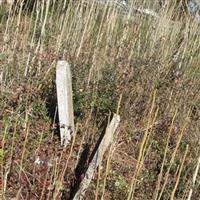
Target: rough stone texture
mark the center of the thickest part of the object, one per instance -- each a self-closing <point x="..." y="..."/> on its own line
<point x="65" y="101"/>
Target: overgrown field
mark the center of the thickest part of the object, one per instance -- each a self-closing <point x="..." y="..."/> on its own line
<point x="145" y="68"/>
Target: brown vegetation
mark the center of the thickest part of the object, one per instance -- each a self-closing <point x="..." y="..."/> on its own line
<point x="146" y="68"/>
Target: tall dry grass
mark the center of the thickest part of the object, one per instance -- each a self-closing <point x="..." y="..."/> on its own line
<point x="149" y="65"/>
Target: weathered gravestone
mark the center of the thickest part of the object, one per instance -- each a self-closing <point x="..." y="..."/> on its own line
<point x="65" y="101"/>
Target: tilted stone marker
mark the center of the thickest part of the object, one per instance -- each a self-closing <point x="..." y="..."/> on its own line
<point x="65" y="101"/>
<point x="106" y="141"/>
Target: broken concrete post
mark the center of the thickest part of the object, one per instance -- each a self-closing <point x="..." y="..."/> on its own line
<point x="106" y="141"/>
<point x="65" y="101"/>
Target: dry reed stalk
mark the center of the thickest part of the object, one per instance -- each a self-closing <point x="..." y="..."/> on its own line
<point x="3" y="169"/>
<point x="107" y="171"/>
<point x="11" y="155"/>
<point x="171" y="161"/>
<point x="179" y="173"/>
<point x="143" y="146"/>
<point x="156" y="191"/>
<point x="24" y="150"/>
<point x="59" y="181"/>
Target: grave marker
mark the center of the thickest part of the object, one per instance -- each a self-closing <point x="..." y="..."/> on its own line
<point x="98" y="156"/>
<point x="65" y="101"/>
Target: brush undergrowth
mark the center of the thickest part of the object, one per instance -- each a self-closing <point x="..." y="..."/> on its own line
<point x="149" y="66"/>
